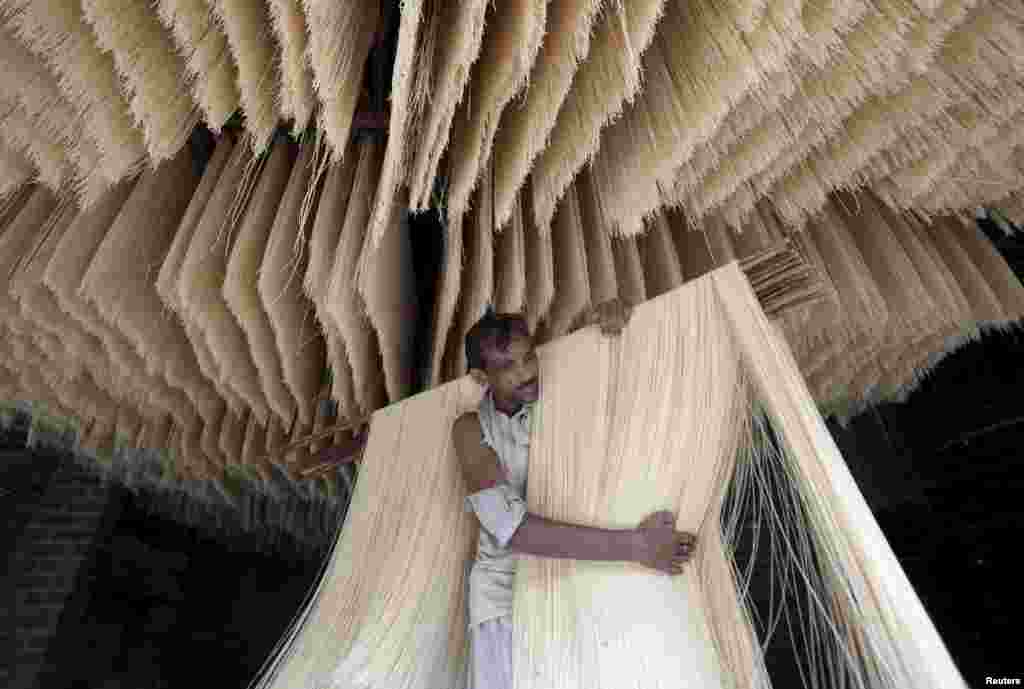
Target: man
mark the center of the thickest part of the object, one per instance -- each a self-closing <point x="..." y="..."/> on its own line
<point x="493" y="448"/>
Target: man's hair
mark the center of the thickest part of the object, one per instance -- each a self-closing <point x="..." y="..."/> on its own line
<point x="493" y="330"/>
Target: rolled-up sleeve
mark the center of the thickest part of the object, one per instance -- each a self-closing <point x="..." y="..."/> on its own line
<point x="499" y="510"/>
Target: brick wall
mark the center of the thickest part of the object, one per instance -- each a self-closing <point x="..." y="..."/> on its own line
<point x="54" y="514"/>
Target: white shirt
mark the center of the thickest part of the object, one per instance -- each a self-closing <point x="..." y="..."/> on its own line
<point x="501" y="510"/>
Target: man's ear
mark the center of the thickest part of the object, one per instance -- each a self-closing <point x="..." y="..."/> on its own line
<point x="479" y="376"/>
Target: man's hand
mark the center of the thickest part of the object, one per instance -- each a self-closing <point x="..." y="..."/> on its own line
<point x="612" y="316"/>
<point x="660" y="546"/>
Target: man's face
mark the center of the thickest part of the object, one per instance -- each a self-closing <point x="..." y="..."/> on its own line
<point x="513" y="373"/>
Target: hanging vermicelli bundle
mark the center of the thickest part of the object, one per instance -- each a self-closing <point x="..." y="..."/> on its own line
<point x="477" y="278"/>
<point x="17" y="133"/>
<point x="662" y="270"/>
<point x="598" y="242"/>
<point x="410" y="88"/>
<point x="200" y="288"/>
<point x="16" y="240"/>
<point x="456" y="43"/>
<point x="447" y="298"/>
<point x="629" y="270"/>
<point x="388" y="288"/>
<point x="40" y="100"/>
<point x="168" y="279"/>
<point x="209" y="441"/>
<point x="506" y="57"/>
<point x="540" y="266"/>
<point x="664" y="441"/>
<point x="103" y="346"/>
<point x="405" y="625"/>
<point x="15" y="170"/>
<point x="985" y="305"/>
<point x="608" y="79"/>
<point x="232" y="437"/>
<point x="572" y="282"/>
<point x="296" y="99"/>
<point x="56" y="31"/>
<point x="344" y="303"/>
<point x="996" y="270"/>
<point x="340" y="38"/>
<point x="120" y="279"/>
<point x="300" y="346"/>
<point x="510" y="265"/>
<point x="251" y="40"/>
<point x="242" y="274"/>
<point x="323" y="240"/>
<point x="204" y="47"/>
<point x="524" y="131"/>
<point x="150" y="68"/>
<point x="12" y="202"/>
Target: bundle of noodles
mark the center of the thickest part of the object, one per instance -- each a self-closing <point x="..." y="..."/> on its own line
<point x="597" y="239"/>
<point x="15" y="171"/>
<point x="600" y="625"/>
<point x="540" y="266"/>
<point x="605" y="82"/>
<point x="498" y="75"/>
<point x="296" y="100"/>
<point x="151" y="70"/>
<point x="410" y="89"/>
<point x="243" y="272"/>
<point x="629" y="270"/>
<point x="572" y="281"/>
<point x="200" y="290"/>
<point x="996" y="270"/>
<point x="861" y="578"/>
<point x="40" y="307"/>
<point x="388" y="288"/>
<point x="340" y="38"/>
<point x="40" y="99"/>
<point x="854" y="342"/>
<point x="510" y="265"/>
<point x="392" y="629"/>
<point x="475" y="294"/>
<point x="57" y="33"/>
<point x="448" y="298"/>
<point x="16" y="240"/>
<point x="323" y="240"/>
<point x="209" y="441"/>
<point x="456" y="32"/>
<point x="525" y="130"/>
<point x="110" y="357"/>
<point x="122" y="290"/>
<point x="912" y="313"/>
<point x="12" y="202"/>
<point x="170" y="272"/>
<point x="950" y="331"/>
<point x="343" y="302"/>
<point x="986" y="307"/>
<point x="247" y="27"/>
<point x="203" y="46"/>
<point x="299" y="344"/>
<point x="987" y="36"/>
<point x="658" y="253"/>
<point x="232" y="437"/>
<point x="47" y="155"/>
<point x="276" y="439"/>
<point x="573" y="619"/>
<point x="254" y="444"/>
<point x="678" y="109"/>
<point x="874" y="62"/>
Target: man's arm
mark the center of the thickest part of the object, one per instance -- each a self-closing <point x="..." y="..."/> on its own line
<point x="654" y="543"/>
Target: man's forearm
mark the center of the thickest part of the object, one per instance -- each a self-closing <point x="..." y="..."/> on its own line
<point x="547" y="538"/>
